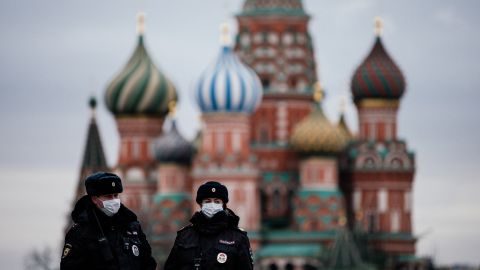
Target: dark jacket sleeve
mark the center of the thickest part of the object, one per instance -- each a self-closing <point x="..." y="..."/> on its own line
<point x="148" y="262"/>
<point x="245" y="255"/>
<point x="74" y="251"/>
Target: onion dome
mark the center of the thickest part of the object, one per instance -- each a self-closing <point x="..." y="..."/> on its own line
<point x="315" y="134"/>
<point x="228" y="85"/>
<point x="378" y="76"/>
<point x="273" y="7"/>
<point x="140" y="88"/>
<point x="171" y="147"/>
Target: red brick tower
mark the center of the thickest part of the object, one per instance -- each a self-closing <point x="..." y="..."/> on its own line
<point x="138" y="97"/>
<point x="380" y="169"/>
<point x="227" y="93"/>
<point x="172" y="204"/>
<point x="273" y="39"/>
<point x="318" y="204"/>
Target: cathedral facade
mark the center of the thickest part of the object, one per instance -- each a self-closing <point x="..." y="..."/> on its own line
<point x="310" y="193"/>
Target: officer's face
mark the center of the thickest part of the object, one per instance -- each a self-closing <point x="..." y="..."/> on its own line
<point x="214" y="200"/>
<point x="98" y="200"/>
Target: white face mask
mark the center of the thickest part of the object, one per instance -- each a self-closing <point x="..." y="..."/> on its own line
<point x="210" y="209"/>
<point x="110" y="207"/>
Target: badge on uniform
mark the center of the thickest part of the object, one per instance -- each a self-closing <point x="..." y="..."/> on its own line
<point x="66" y="250"/>
<point x="135" y="250"/>
<point x="221" y="257"/>
<point x="226" y="242"/>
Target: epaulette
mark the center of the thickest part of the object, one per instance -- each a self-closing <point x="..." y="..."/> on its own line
<point x="184" y="228"/>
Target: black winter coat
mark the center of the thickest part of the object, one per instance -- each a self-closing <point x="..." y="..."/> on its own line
<point x="126" y="247"/>
<point x="217" y="242"/>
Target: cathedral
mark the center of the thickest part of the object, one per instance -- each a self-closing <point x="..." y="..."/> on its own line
<point x="310" y="193"/>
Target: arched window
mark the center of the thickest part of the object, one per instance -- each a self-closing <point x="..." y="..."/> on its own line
<point x="369" y="163"/>
<point x="396" y="163"/>
<point x="263" y="201"/>
<point x="266" y="83"/>
<point x="263" y="134"/>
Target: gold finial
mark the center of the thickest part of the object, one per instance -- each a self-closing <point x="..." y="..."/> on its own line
<point x="378" y="26"/>
<point x="318" y="93"/>
<point x="172" y="107"/>
<point x="225" y="39"/>
<point x="343" y="104"/>
<point x="140" y="23"/>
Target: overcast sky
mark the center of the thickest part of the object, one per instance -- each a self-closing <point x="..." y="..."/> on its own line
<point x="55" y="54"/>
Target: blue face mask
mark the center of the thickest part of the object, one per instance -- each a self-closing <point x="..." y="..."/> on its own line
<point x="111" y="207"/>
<point x="210" y="209"/>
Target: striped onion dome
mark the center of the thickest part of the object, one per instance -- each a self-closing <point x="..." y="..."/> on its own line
<point x="273" y="7"/>
<point x="228" y="85"/>
<point x="378" y="76"/>
<point x="316" y="135"/>
<point x="171" y="147"/>
<point x="140" y="88"/>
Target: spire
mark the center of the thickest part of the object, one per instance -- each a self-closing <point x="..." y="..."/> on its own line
<point x="342" y="124"/>
<point x="344" y="252"/>
<point x="93" y="157"/>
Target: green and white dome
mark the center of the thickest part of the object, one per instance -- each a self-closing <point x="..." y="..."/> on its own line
<point x="140" y="88"/>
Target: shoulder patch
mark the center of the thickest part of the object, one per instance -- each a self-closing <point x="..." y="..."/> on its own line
<point x="66" y="250"/>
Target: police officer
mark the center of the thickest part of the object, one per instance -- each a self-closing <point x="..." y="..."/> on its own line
<point x="105" y="233"/>
<point x="213" y="240"/>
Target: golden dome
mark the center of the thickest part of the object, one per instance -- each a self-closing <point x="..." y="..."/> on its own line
<point x="316" y="135"/>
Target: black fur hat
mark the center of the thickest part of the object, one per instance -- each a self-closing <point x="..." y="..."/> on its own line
<point x="212" y="190"/>
<point x="102" y="183"/>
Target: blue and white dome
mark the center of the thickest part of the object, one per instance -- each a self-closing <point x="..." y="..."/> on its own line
<point x="228" y="86"/>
